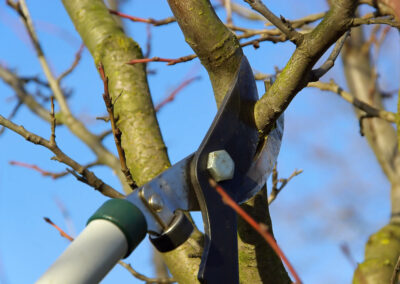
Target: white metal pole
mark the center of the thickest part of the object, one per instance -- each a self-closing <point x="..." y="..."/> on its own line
<point x="90" y="256"/>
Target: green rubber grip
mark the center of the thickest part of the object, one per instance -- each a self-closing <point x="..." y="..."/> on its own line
<point x="127" y="217"/>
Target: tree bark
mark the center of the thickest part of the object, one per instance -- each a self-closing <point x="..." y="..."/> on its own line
<point x="141" y="139"/>
<point x="383" y="247"/>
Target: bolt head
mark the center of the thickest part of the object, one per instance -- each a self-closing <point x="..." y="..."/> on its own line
<point x="156" y="203"/>
<point x="220" y="165"/>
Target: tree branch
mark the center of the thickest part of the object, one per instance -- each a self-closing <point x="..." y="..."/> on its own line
<point x="117" y="133"/>
<point x="296" y="73"/>
<point x="60" y="156"/>
<point x="75" y="63"/>
<point x="383" y="247"/>
<point x="328" y="64"/>
<point x="284" y="181"/>
<point x="376" y="21"/>
<point x="18" y="85"/>
<point x="65" y="116"/>
<point x="370" y="110"/>
<point x="281" y="24"/>
<point x="140" y="134"/>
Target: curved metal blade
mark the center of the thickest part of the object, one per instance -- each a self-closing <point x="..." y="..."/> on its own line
<point x="263" y="163"/>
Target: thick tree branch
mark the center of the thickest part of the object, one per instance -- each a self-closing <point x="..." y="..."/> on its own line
<point x="141" y="139"/>
<point x="217" y="48"/>
<point x="220" y="53"/>
<point x="296" y="73"/>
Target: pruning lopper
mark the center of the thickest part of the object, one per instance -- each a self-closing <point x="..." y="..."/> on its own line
<point x="231" y="154"/>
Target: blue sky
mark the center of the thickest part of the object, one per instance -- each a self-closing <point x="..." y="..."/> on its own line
<point x="341" y="197"/>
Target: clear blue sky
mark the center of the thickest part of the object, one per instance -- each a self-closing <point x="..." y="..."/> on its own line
<point x="341" y="197"/>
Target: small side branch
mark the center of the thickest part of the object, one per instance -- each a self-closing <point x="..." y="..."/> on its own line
<point x="142" y="20"/>
<point x="328" y="64"/>
<point x="396" y="273"/>
<point x="78" y="56"/>
<point x="172" y="61"/>
<point x="38" y="169"/>
<point x="117" y="133"/>
<point x="376" y="21"/>
<point x="281" y="23"/>
<point x="11" y="115"/>
<point x="60" y="156"/>
<point x="159" y="59"/>
<point x="173" y="94"/>
<point x="368" y="109"/>
<point x="283" y="182"/>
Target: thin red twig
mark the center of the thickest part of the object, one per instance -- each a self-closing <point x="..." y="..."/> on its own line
<point x="142" y="20"/>
<point x="173" y="94"/>
<point x="159" y="59"/>
<point x="78" y="56"/>
<point x="62" y="233"/>
<point x="259" y="227"/>
<point x="36" y="168"/>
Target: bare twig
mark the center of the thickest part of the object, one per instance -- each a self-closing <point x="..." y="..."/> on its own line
<point x="61" y="231"/>
<point x="284" y="181"/>
<point x="370" y="110"/>
<point x="127" y="266"/>
<point x="60" y="156"/>
<point x="22" y="9"/>
<point x="159" y="59"/>
<point x="281" y="24"/>
<point x="244" y="12"/>
<point x="78" y="56"/>
<point x="143" y="277"/>
<point x="396" y="273"/>
<point x="74" y="125"/>
<point x="256" y="42"/>
<point x="66" y="215"/>
<point x="186" y="58"/>
<point x="18" y="85"/>
<point x="38" y="169"/>
<point x="52" y="123"/>
<point x="142" y="20"/>
<point x="228" y="9"/>
<point x="328" y="64"/>
<point x="173" y="94"/>
<point x="347" y="253"/>
<point x="259" y="227"/>
<point x="103" y="135"/>
<point x="117" y="133"/>
<point x="148" y="41"/>
<point x="11" y="115"/>
<point x="361" y="122"/>
<point x="376" y="21"/>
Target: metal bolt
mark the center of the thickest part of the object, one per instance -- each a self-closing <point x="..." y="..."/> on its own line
<point x="156" y="203"/>
<point x="220" y="165"/>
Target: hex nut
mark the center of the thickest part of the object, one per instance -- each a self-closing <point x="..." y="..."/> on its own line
<point x="220" y="165"/>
